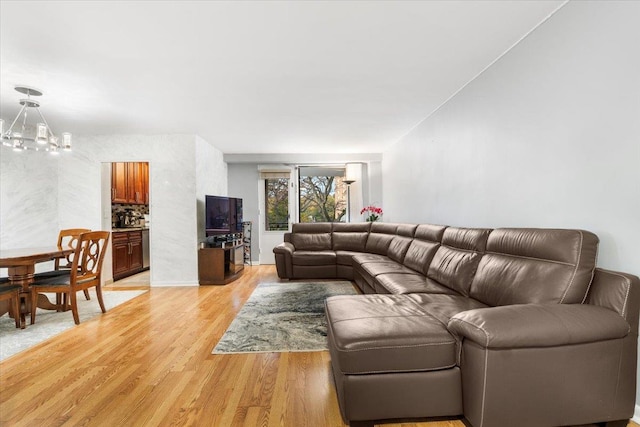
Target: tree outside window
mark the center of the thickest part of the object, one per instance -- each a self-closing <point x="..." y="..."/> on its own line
<point x="277" y="204"/>
<point x="322" y="199"/>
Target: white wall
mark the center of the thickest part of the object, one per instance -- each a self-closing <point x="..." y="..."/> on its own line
<point x="373" y="189"/>
<point x="243" y="183"/>
<point x="546" y="137"/>
<point x="67" y="193"/>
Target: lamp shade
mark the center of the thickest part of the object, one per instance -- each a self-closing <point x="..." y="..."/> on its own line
<point x="351" y="173"/>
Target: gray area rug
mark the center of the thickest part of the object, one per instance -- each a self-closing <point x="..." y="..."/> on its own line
<point x="281" y="317"/>
<point x="50" y="323"/>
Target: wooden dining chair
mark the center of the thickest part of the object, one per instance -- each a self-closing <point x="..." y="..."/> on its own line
<point x="85" y="273"/>
<point x="67" y="238"/>
<point x="11" y="293"/>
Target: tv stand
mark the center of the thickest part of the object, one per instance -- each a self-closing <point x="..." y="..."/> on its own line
<point x="220" y="265"/>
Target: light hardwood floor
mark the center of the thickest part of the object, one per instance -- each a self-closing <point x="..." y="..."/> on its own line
<point x="149" y="363"/>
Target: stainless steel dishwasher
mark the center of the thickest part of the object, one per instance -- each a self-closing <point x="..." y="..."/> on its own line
<point x="145" y="248"/>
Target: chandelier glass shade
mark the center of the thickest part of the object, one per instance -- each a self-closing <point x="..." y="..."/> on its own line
<point x="23" y="136"/>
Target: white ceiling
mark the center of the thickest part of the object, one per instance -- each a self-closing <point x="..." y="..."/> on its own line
<point x="253" y="77"/>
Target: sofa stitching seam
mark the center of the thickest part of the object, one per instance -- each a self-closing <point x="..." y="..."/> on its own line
<point x="484" y="385"/>
<point x="593" y="273"/>
<point x="575" y="271"/>
<point x="626" y="297"/>
<point x="382" y="371"/>
<point x="475" y="326"/>
<point x="530" y="257"/>
<point x="399" y="346"/>
<point x="380" y="317"/>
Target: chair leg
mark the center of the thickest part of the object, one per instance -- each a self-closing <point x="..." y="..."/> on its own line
<point x="86" y="294"/>
<point x="74" y="307"/>
<point x="23" y="314"/>
<point x="15" y="307"/>
<point x="99" y="294"/>
<point x="34" y="304"/>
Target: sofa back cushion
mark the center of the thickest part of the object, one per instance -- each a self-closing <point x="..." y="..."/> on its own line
<point x="349" y="241"/>
<point x="420" y="254"/>
<point x="350" y="236"/>
<point x="406" y="230"/>
<point x="311" y="236"/>
<point x="380" y="237"/>
<point x="456" y="260"/>
<point x="398" y="248"/>
<point x="311" y="227"/>
<point x="357" y="227"/>
<point x="426" y="241"/>
<point x="311" y="241"/>
<point x="529" y="265"/>
<point x="430" y="232"/>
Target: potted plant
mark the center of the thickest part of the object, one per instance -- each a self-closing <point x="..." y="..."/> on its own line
<point x="372" y="213"/>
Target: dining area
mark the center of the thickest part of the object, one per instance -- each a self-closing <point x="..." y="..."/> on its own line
<point x="77" y="267"/>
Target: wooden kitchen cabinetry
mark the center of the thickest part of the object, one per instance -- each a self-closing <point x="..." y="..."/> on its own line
<point x="119" y="182"/>
<point x="127" y="253"/>
<point x="130" y="182"/>
<point x="145" y="181"/>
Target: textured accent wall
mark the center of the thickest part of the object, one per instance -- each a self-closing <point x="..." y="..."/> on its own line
<point x="211" y="178"/>
<point x="28" y="201"/>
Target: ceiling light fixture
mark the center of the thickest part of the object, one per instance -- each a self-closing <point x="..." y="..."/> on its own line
<point x="29" y="137"/>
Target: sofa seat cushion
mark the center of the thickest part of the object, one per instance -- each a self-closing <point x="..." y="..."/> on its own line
<point x="346" y="257"/>
<point x="373" y="269"/>
<point x="402" y="283"/>
<point x="313" y="258"/>
<point x="386" y="333"/>
<point x="369" y="270"/>
<point x="365" y="258"/>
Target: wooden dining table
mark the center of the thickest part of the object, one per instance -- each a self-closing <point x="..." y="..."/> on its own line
<point x="21" y="265"/>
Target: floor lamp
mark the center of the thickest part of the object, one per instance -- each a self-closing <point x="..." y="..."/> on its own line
<point x="349" y="178"/>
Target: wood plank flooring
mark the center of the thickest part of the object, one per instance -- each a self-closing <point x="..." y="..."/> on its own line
<point x="149" y="363"/>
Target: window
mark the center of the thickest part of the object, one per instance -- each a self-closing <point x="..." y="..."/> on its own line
<point x="322" y="194"/>
<point x="277" y="204"/>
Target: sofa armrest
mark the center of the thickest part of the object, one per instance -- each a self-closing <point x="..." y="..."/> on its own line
<point x="538" y="325"/>
<point x="283" y="254"/>
<point x="284" y="248"/>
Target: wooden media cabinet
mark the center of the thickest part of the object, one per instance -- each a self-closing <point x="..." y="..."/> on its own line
<point x="220" y="265"/>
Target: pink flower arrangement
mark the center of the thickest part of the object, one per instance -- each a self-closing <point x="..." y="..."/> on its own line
<point x="372" y="213"/>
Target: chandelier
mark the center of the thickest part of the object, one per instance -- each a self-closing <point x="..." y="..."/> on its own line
<point x="29" y="137"/>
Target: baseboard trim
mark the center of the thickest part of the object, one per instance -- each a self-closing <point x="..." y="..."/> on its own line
<point x="636" y="415"/>
<point x="156" y="284"/>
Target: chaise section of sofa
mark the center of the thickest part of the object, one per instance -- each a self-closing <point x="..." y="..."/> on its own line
<point x="505" y="326"/>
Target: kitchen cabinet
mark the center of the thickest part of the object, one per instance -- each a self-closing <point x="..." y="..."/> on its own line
<point x="119" y="182"/>
<point x="145" y="182"/>
<point x="127" y="253"/>
<point x="130" y="182"/>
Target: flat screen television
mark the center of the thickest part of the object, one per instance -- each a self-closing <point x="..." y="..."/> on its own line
<point x="223" y="215"/>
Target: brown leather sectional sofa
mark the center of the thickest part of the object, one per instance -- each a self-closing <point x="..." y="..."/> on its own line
<point x="506" y="327"/>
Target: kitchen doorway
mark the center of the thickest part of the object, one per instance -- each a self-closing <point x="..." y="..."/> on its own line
<point x="126" y="211"/>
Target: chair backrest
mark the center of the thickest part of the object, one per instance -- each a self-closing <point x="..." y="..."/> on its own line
<point x="68" y="239"/>
<point x="89" y="254"/>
